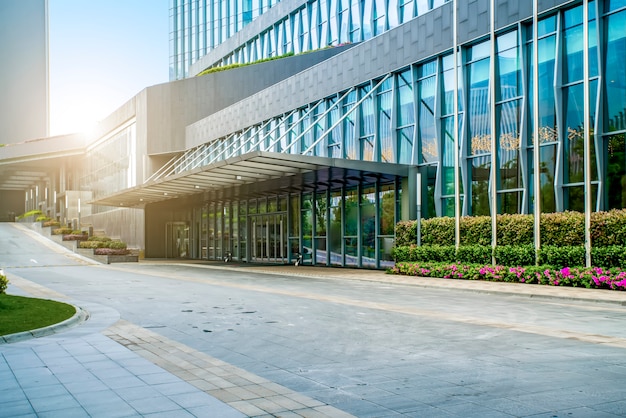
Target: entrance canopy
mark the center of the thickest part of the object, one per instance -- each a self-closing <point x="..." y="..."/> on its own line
<point x="247" y="170"/>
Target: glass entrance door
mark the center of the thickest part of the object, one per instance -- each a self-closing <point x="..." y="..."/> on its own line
<point x="269" y="238"/>
<point x="176" y="240"/>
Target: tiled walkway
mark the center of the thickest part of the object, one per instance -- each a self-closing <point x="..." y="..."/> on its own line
<point x="244" y="391"/>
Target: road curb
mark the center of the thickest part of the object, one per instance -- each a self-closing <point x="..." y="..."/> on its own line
<point x="79" y="317"/>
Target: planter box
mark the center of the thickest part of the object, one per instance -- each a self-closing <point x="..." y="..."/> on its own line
<point x="107" y="259"/>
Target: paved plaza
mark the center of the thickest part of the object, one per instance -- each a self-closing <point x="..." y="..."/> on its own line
<point x="171" y="339"/>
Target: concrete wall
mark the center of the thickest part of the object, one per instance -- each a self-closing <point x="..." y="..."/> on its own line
<point x="24" y="70"/>
<point x="11" y="204"/>
<point x="125" y="224"/>
<point x="170" y="107"/>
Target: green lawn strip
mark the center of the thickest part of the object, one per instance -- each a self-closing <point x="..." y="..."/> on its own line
<point x="19" y="313"/>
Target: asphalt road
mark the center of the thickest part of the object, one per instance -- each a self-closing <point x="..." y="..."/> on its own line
<point x="371" y="349"/>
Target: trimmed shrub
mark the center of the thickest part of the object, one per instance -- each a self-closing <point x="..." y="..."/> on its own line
<point x="475" y="230"/>
<point x="474" y="254"/>
<point x="100" y="239"/>
<point x="562" y="228"/>
<point x="91" y="244"/>
<point x="61" y="231"/>
<point x="117" y="245"/>
<point x="515" y="229"/>
<point x="4" y="283"/>
<point x="438" y="231"/>
<point x="515" y="255"/>
<point x="52" y="223"/>
<point x="610" y="256"/>
<point x="567" y="256"/>
<point x="35" y="212"/>
<point x="406" y="233"/>
<point x="511" y="255"/>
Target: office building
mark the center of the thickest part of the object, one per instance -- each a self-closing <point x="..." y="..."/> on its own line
<point x="364" y="109"/>
<point x="24" y="73"/>
<point x="23" y="88"/>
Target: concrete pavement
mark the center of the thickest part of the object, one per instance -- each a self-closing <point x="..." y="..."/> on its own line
<point x="110" y="367"/>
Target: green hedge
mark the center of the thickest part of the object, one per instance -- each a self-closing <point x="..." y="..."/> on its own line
<point x="562" y="228"/>
<point x="100" y="243"/>
<point x="510" y="255"/>
<point x="35" y="212"/>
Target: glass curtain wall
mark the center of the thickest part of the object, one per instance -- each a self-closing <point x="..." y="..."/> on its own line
<point x="407" y="117"/>
<point x="346" y="226"/>
<point x="614" y="141"/>
<point x="199" y="26"/>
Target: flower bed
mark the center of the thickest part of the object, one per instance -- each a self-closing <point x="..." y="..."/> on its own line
<point x="111" y="251"/>
<point x="594" y="277"/>
<point x="75" y="237"/>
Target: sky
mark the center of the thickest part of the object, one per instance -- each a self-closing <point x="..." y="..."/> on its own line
<point x="101" y="54"/>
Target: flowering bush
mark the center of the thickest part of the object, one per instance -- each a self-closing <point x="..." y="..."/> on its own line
<point x="75" y="237"/>
<point x="594" y="277"/>
<point x="110" y="251"/>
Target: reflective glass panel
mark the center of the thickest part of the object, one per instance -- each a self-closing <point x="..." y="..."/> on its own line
<point x="547" y="110"/>
<point x="406" y="114"/>
<point x="351" y="213"/>
<point x="615" y="108"/>
<point x="574" y="143"/>
<point x="335" y="236"/>
<point x="387" y="210"/>
<point x="427" y="127"/>
<point x="616" y="171"/>
<point x="510" y="202"/>
<point x="509" y="68"/>
<point x="368" y="225"/>
<point x="294" y="216"/>
<point x="320" y="213"/>
<point x="307" y="215"/>
<point x="384" y="122"/>
<point x="610" y="5"/>
<point x="478" y="108"/>
<point x="349" y="127"/>
<point x="352" y="251"/>
<point x="509" y="145"/>
<point x="480" y="167"/>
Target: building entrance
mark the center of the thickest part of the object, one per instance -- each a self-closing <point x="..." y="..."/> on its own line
<point x="176" y="240"/>
<point x="268" y="233"/>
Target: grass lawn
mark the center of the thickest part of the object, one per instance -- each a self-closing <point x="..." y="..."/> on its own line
<point x="19" y="313"/>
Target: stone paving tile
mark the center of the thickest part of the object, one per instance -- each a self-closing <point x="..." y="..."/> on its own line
<point x="244" y="391"/>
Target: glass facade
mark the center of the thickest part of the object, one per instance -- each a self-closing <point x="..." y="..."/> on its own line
<point x="198" y="26"/>
<point x="340" y="226"/>
<point x="408" y="117"/>
<point x="111" y="164"/>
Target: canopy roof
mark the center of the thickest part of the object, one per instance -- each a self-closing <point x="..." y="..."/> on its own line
<point x="249" y="170"/>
